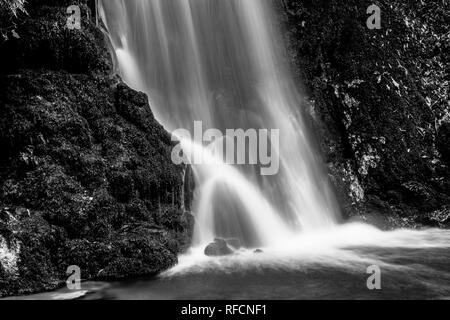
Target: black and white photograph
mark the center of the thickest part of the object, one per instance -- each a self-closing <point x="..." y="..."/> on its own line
<point x="223" y="155"/>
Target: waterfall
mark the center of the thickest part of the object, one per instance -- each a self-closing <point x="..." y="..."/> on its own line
<point x="221" y="62"/>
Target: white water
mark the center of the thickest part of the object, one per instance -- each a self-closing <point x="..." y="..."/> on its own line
<point x="220" y="62"/>
<point x="329" y="264"/>
<point x="337" y="247"/>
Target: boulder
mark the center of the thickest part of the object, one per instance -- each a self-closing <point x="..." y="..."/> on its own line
<point x="87" y="175"/>
<point x="235" y="243"/>
<point x="218" y="248"/>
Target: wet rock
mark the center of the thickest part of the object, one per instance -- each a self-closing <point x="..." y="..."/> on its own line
<point x="257" y="251"/>
<point x="374" y="137"/>
<point x="45" y="41"/>
<point x="437" y="218"/>
<point x="140" y="252"/>
<point x="218" y="248"/>
<point x="443" y="141"/>
<point x="234" y="242"/>
<point x="87" y="177"/>
<point x="419" y="194"/>
<point x="188" y="223"/>
<point x="121" y="186"/>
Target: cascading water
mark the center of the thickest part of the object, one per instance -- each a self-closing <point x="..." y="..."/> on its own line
<point x="219" y="62"/>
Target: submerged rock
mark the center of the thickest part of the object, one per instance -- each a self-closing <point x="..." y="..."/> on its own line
<point x="218" y="248"/>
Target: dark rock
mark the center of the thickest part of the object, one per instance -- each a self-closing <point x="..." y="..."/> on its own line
<point x="45" y="41"/>
<point x="374" y="116"/>
<point x="384" y="216"/>
<point x="218" y="248"/>
<point x="438" y="218"/>
<point x="443" y="141"/>
<point x="258" y="251"/>
<point x="121" y="185"/>
<point x="86" y="176"/>
<point x="185" y="238"/>
<point x="142" y="252"/>
<point x="419" y="194"/>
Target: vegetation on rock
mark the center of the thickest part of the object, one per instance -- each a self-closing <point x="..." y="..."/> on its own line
<point x="86" y="176"/>
<point x="85" y="172"/>
<point x="380" y="100"/>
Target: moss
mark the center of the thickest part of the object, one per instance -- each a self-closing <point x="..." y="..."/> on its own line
<point x="85" y="168"/>
<point x="379" y="97"/>
<point x="47" y="42"/>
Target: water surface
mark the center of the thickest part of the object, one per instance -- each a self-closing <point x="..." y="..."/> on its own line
<point x="328" y="265"/>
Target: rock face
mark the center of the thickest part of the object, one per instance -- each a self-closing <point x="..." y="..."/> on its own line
<point x="218" y="248"/>
<point x="86" y="176"/>
<point x="378" y="100"/>
<point x="443" y="141"/>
